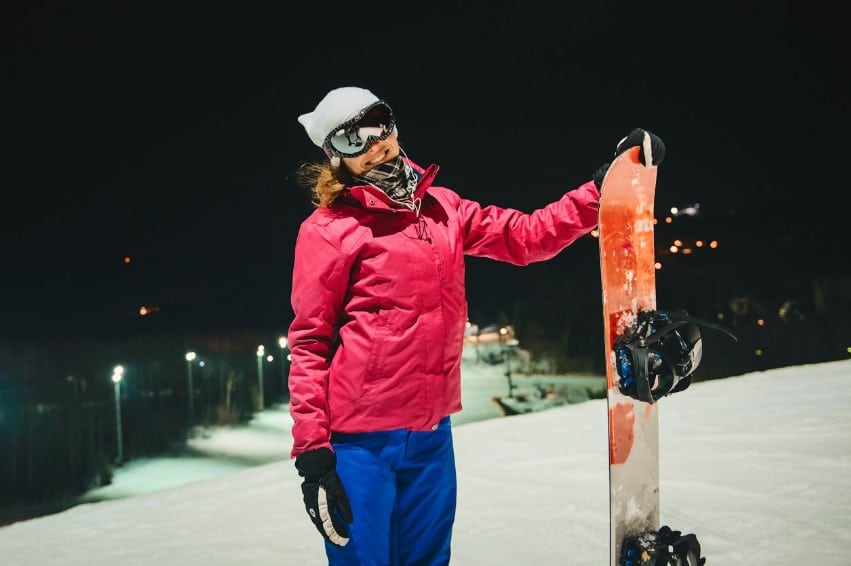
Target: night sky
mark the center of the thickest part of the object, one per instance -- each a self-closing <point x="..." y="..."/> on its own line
<point x="167" y="133"/>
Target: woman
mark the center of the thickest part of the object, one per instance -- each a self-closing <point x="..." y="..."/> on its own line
<point x="380" y="310"/>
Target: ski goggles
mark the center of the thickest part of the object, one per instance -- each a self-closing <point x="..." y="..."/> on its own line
<point x="354" y="137"/>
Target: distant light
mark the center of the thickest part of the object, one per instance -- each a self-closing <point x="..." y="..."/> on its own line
<point x="127" y="259"/>
<point x="678" y="242"/>
<point x="202" y="363"/>
<point x="720" y="316"/>
<point x="758" y="352"/>
<point x="668" y="220"/>
<point x="117" y="373"/>
<point x="282" y="341"/>
<point x="713" y="244"/>
<point x="686" y="251"/>
<point x="674" y="249"/>
<point x="760" y="322"/>
<point x="657" y="265"/>
<point x="145" y="310"/>
<point x="698" y="244"/>
<point x="690" y="210"/>
<point x="190" y="356"/>
<point x="270" y="358"/>
<point x="260" y="351"/>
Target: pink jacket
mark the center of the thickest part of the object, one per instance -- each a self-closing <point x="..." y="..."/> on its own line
<point x="380" y="307"/>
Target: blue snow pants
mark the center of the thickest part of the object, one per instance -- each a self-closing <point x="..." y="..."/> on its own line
<point x="402" y="489"/>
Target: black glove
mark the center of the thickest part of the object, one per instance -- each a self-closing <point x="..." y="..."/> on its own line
<point x="324" y="496"/>
<point x="600" y="174"/>
<point x="648" y="142"/>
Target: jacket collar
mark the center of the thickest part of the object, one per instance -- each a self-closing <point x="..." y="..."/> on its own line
<point x="373" y="198"/>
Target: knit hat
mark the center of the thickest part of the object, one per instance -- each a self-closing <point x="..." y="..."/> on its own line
<point x="338" y="106"/>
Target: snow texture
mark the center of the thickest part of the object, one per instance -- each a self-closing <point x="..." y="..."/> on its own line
<point x="757" y="466"/>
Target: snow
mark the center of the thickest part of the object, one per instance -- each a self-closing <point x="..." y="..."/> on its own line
<point x="758" y="466"/>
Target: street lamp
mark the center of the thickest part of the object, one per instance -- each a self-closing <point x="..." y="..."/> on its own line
<point x="510" y="344"/>
<point x="285" y="389"/>
<point x="261" y="350"/>
<point x="117" y="374"/>
<point x="190" y="357"/>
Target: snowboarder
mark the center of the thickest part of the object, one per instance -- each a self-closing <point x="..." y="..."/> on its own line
<point x="378" y="294"/>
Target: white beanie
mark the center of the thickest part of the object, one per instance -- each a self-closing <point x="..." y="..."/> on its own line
<point x="338" y="106"/>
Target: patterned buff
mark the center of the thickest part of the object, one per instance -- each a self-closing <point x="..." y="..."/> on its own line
<point x="395" y="178"/>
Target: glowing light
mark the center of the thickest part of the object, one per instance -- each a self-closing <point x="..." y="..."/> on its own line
<point x="270" y="358"/>
<point x="678" y="242"/>
<point x="117" y="373"/>
<point x="674" y="249"/>
<point x="127" y="259"/>
<point x="190" y="356"/>
<point x="689" y="210"/>
<point x="668" y="220"/>
<point x="713" y="244"/>
<point x="699" y="244"/>
<point x="760" y="322"/>
<point x="657" y="265"/>
<point x="758" y="352"/>
<point x="282" y="341"/>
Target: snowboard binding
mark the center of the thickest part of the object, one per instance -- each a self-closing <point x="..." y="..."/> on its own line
<point x="658" y="354"/>
<point x="664" y="547"/>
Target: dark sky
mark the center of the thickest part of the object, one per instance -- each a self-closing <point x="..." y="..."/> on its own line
<point x="168" y="133"/>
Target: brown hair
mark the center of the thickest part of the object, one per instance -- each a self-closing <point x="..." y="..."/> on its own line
<point x="325" y="182"/>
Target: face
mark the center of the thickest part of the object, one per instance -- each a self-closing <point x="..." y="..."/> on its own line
<point x="380" y="152"/>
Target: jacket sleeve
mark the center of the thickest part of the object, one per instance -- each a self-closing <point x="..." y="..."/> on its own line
<point x="318" y="289"/>
<point x="509" y="235"/>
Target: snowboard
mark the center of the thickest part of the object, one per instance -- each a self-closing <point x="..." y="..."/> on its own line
<point x="627" y="265"/>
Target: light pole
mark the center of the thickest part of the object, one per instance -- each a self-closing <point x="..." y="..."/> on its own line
<point x="260" y="352"/>
<point x="190" y="357"/>
<point x="285" y="389"/>
<point x="506" y="334"/>
<point x="117" y="374"/>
